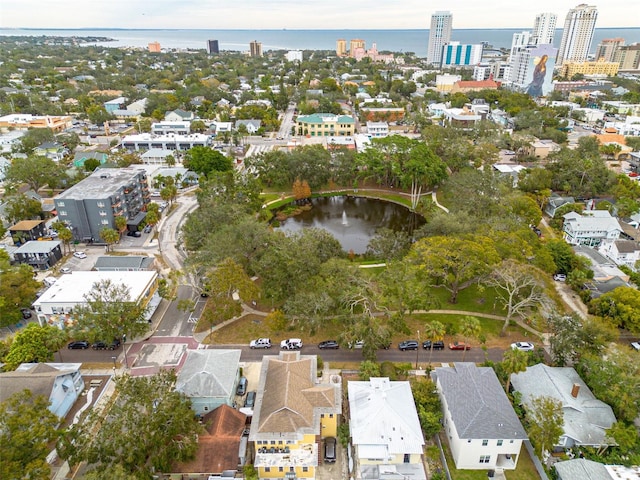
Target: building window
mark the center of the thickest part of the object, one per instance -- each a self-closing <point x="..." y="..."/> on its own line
<point x="305" y="469"/>
<point x="62" y="213"/>
<point x="267" y="469"/>
<point x="281" y="469"/>
<point x="104" y="222"/>
<point x="500" y="443"/>
<point x="485" y="458"/>
<point x="60" y="204"/>
<point x="273" y="442"/>
<point x="291" y="469"/>
<point x="485" y="443"/>
<point x="331" y="415"/>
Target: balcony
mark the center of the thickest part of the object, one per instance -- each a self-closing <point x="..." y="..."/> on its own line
<point x="305" y="456"/>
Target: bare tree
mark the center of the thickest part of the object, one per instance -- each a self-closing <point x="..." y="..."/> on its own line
<point x="518" y="286"/>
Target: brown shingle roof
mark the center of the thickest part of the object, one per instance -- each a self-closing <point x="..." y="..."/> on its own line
<point x="219" y="445"/>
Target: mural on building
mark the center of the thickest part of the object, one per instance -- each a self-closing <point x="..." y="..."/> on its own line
<point x="540" y="71"/>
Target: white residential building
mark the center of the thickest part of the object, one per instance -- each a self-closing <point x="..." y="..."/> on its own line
<point x="385" y="430"/>
<point x="377" y="129"/>
<point x="439" y="34"/>
<point x="519" y="40"/>
<point x="544" y="29"/>
<point x="590" y="228"/>
<point x="179" y="128"/>
<point x="294" y="56"/>
<point x="577" y="35"/>
<point x="147" y="141"/>
<point x="622" y="252"/>
<point x="481" y="426"/>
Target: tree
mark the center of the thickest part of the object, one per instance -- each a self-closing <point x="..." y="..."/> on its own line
<point x="27" y="427"/>
<point x="620" y="307"/>
<point x="198" y="126"/>
<point x="152" y="217"/>
<point x="469" y="328"/>
<point x="149" y="427"/>
<point x="368" y="369"/>
<point x="428" y="406"/>
<point x="545" y="421"/>
<point x="625" y="436"/>
<point x="169" y="193"/>
<point x="519" y="287"/>
<point x="36" y="171"/>
<point x="388" y="244"/>
<point x="120" y="222"/>
<point x="18" y="290"/>
<point x="573" y="337"/>
<point x="20" y="207"/>
<point x="513" y="361"/>
<point x="90" y="164"/>
<point x="434" y="330"/>
<point x="453" y="263"/>
<point x="110" y="313"/>
<point x="65" y="235"/>
<point x="34" y="344"/>
<point x="301" y="189"/>
<point x="110" y="236"/>
<point x="34" y="137"/>
<point x="205" y="160"/>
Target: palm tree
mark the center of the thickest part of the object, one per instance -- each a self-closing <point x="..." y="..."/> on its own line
<point x="470" y="328"/>
<point x="513" y="361"/>
<point x="435" y="331"/>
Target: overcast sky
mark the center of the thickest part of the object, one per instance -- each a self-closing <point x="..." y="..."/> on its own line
<point x="298" y="14"/>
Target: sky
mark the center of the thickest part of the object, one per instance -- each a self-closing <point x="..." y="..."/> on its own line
<point x="298" y="14"/>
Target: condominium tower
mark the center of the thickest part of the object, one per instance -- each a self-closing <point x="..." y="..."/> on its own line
<point x="439" y="34"/>
<point x="341" y="47"/>
<point x="212" y="47"/>
<point x="255" y="49"/>
<point x="607" y="49"/>
<point x="544" y="29"/>
<point x="577" y="34"/>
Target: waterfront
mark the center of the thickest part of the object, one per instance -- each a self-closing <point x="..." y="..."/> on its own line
<point x="238" y="40"/>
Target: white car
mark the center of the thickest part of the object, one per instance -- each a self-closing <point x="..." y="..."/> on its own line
<point x="523" y="346"/>
<point x="260" y="343"/>
<point x="635" y="346"/>
<point x="560" y="277"/>
<point x="291" y="344"/>
<point x="65" y="270"/>
<point x="80" y="255"/>
<point x="359" y="344"/>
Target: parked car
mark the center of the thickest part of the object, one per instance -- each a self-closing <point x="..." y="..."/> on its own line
<point x="459" y="346"/>
<point x="26" y="313"/>
<point x="260" y="343"/>
<point x="99" y="345"/>
<point x="134" y="233"/>
<point x="560" y="277"/>
<point x="79" y="254"/>
<point x="148" y="228"/>
<point x="291" y="344"/>
<point x="437" y="345"/>
<point x="328" y="344"/>
<point x="330" y="450"/>
<point x="65" y="270"/>
<point x="78" y="345"/>
<point x="357" y="345"/>
<point x="523" y="346"/>
<point x="242" y="386"/>
<point x="408" y="345"/>
<point x="635" y="346"/>
<point x="250" y="401"/>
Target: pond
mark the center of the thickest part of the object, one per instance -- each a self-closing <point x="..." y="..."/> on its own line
<point x="353" y="221"/>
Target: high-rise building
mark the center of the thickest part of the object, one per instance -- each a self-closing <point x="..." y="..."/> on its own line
<point x="454" y="53"/>
<point x="519" y="41"/>
<point x="544" y="29"/>
<point x="577" y="34"/>
<point x="607" y="48"/>
<point x="255" y="49"/>
<point x="154" y="47"/>
<point x="212" y="47"/>
<point x="341" y="47"/>
<point x="439" y="34"/>
<point x="354" y="44"/>
<point x="628" y="56"/>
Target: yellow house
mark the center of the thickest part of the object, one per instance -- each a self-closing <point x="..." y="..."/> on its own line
<point x="292" y="415"/>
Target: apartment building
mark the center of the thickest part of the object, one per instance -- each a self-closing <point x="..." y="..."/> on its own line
<point x="577" y="35"/>
<point x="439" y="35"/>
<point x="325" y="125"/>
<point x="599" y="67"/>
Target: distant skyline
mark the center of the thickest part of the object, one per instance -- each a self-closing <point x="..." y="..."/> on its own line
<point x="298" y="14"/>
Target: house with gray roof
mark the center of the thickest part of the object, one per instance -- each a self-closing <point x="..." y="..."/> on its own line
<point x="60" y="383"/>
<point x="209" y="378"/>
<point x="39" y="254"/>
<point x="586" y="418"/>
<point x="555" y="202"/>
<point x="583" y="469"/>
<point x="483" y="430"/>
<point x="80" y="157"/>
<point x="129" y="263"/>
<point x="590" y="228"/>
<point x="393" y="443"/>
<point x="252" y="126"/>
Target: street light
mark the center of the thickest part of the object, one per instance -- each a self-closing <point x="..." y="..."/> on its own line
<point x="417" y="352"/>
<point x="124" y="348"/>
<point x="114" y="364"/>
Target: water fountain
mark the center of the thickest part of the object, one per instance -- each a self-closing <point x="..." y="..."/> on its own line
<point x="345" y="222"/>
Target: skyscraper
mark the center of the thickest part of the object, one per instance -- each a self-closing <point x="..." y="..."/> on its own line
<point x="439" y="34"/>
<point x="355" y="43"/>
<point x="212" y="47"/>
<point x="607" y="48"/>
<point x="255" y="49"/>
<point x="544" y="29"/>
<point x="341" y="47"/>
<point x="577" y="34"/>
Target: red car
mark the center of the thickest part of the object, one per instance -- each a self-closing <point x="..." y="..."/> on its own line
<point x="459" y="346"/>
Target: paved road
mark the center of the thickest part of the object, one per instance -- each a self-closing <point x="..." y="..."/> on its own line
<point x="177" y="323"/>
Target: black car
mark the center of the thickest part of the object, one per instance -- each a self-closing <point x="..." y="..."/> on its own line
<point x="408" y="345"/>
<point x="99" y="346"/>
<point x="330" y="450"/>
<point x="26" y="313"/>
<point x="437" y="345"/>
<point x="134" y="233"/>
<point x="78" y="345"/>
<point x="328" y="344"/>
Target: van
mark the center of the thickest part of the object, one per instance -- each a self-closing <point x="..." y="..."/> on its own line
<point x="250" y="400"/>
<point x="330" y="450"/>
<point x="242" y="386"/>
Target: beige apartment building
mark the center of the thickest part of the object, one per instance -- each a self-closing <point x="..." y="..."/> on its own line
<point x="569" y="69"/>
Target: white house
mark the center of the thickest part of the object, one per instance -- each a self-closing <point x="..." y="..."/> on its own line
<point x="179" y="115"/>
<point x="60" y="383"/>
<point x="378" y="129"/>
<point x="180" y="128"/>
<point x="385" y="430"/>
<point x="138" y="107"/>
<point x="590" y="228"/>
<point x="586" y="418"/>
<point x="622" y="252"/>
<point x="482" y="428"/>
<point x="209" y="378"/>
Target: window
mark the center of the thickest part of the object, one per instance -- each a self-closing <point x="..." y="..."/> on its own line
<point x="273" y="442"/>
<point x="281" y="469"/>
<point x="305" y="469"/>
<point x="485" y="458"/>
<point x="104" y="221"/>
<point x="62" y="213"/>
<point x="267" y="469"/>
<point x="500" y="443"/>
<point x="485" y="443"/>
<point x="60" y="204"/>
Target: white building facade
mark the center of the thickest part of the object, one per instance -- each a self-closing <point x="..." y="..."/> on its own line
<point x="577" y="35"/>
<point x="439" y="34"/>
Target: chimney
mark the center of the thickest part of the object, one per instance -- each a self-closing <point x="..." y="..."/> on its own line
<point x="575" y="390"/>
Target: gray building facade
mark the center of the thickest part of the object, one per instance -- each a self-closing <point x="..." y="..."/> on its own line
<point x="95" y="202"/>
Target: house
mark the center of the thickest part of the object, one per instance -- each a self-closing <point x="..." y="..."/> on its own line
<point x="393" y="443"/>
<point x="508" y="170"/>
<point x="179" y="128"/>
<point x="622" y="252"/>
<point x="39" y="255"/>
<point x="292" y="414"/>
<point x="222" y="447"/>
<point x="555" y="202"/>
<point x="378" y="129"/>
<point x="80" y="157"/>
<point x="220" y="127"/>
<point x="590" y="228"/>
<point x="56" y="305"/>
<point x="603" y="268"/>
<point x="325" y="125"/>
<point x="26" y="230"/>
<point x="542" y="148"/>
<point x="157" y="156"/>
<point x="583" y="469"/>
<point x="179" y="115"/>
<point x="60" y="383"/>
<point x="25" y="121"/>
<point x="209" y="378"/>
<point x="138" y="107"/>
<point x="465" y="86"/>
<point x="53" y="150"/>
<point x="383" y="114"/>
<point x="586" y="418"/>
<point x="460" y="117"/>
<point x="252" y="126"/>
<point x="482" y="428"/>
<point x="115" y="104"/>
<point x="128" y="263"/>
